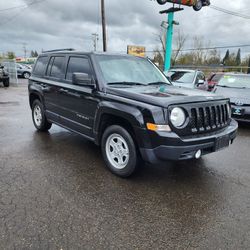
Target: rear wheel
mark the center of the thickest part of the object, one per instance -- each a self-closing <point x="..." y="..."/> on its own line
<point x="26" y="75"/>
<point x="6" y="83"/>
<point x="119" y="151"/>
<point x="198" y="5"/>
<point x="161" y="2"/>
<point x="39" y="118"/>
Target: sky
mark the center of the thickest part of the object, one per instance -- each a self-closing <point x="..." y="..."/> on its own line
<point x="53" y="24"/>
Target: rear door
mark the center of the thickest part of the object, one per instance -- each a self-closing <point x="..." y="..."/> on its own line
<point x="54" y="77"/>
<point x="78" y="103"/>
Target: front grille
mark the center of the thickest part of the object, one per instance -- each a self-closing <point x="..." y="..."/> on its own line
<point x="204" y="118"/>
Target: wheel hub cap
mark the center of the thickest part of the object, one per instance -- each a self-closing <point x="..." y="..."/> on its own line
<point x="37" y="115"/>
<point x="117" y="151"/>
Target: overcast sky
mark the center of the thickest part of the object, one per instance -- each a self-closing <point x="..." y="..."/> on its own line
<point x="55" y="24"/>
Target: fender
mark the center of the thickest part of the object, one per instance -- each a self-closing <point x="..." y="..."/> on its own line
<point x="34" y="89"/>
<point x="129" y="113"/>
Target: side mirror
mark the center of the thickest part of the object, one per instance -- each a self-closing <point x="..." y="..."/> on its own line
<point x="200" y="82"/>
<point x="83" y="79"/>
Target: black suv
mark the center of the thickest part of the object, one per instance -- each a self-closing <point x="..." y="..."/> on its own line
<point x="127" y="106"/>
<point x="4" y="77"/>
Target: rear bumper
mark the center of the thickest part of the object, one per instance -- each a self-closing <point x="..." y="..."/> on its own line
<point x="186" y="149"/>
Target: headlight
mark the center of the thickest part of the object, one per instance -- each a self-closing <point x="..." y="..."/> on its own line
<point x="178" y="117"/>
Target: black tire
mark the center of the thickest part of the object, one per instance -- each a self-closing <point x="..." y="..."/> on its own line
<point x="161" y="2"/>
<point x="198" y="6"/>
<point x="43" y="125"/>
<point x="6" y="83"/>
<point x="26" y="75"/>
<point x="133" y="156"/>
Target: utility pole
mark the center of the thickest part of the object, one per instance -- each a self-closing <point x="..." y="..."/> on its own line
<point x="104" y="35"/>
<point x="95" y="38"/>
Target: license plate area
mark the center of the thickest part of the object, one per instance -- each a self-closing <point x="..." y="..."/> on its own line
<point x="238" y="111"/>
<point x="222" y="142"/>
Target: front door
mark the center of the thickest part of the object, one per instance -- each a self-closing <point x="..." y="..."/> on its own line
<point x="78" y="103"/>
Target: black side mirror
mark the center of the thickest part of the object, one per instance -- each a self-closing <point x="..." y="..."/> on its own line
<point x="83" y="79"/>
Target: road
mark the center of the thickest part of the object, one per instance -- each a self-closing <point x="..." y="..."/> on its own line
<point x="55" y="193"/>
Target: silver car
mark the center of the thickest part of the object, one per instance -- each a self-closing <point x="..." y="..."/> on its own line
<point x="194" y="79"/>
<point x="23" y="70"/>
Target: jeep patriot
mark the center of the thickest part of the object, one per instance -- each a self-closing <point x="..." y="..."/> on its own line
<point x="126" y="105"/>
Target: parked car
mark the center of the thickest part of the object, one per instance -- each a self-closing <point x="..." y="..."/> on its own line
<point x="237" y="88"/>
<point x="197" y="4"/>
<point x="126" y="105"/>
<point x="4" y="77"/>
<point x="23" y="70"/>
<point x="213" y="80"/>
<point x="193" y="79"/>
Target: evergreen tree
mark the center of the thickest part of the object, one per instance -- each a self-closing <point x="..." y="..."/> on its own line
<point x="248" y="70"/>
<point x="238" y="58"/>
<point x="226" y="57"/>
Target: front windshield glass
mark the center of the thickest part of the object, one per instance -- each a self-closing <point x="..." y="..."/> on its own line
<point x="126" y="69"/>
<point x="235" y="81"/>
<point x="183" y="77"/>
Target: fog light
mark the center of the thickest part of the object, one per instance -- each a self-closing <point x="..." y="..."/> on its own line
<point x="198" y="154"/>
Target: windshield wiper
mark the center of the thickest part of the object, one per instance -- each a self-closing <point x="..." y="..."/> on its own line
<point x="224" y="86"/>
<point x="158" y="83"/>
<point x="126" y="83"/>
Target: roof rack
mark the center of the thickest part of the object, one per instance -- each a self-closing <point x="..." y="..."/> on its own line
<point x="57" y="50"/>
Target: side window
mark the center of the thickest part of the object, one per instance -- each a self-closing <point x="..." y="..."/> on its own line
<point x="57" y="67"/>
<point x="201" y="76"/>
<point x="40" y="67"/>
<point x="78" y="65"/>
<point x="50" y="66"/>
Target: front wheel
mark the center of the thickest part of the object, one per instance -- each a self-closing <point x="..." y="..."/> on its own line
<point x="39" y="119"/>
<point x="119" y="151"/>
<point x="198" y="5"/>
<point x="161" y="2"/>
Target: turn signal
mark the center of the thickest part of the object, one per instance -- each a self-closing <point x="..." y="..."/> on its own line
<point x="154" y="127"/>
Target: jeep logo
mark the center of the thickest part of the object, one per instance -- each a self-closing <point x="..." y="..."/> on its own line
<point x="239" y="103"/>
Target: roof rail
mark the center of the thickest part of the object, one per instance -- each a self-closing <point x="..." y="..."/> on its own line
<point x="57" y="50"/>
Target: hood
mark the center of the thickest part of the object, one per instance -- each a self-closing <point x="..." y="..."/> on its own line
<point x="235" y="95"/>
<point x="163" y="95"/>
<point x="185" y="85"/>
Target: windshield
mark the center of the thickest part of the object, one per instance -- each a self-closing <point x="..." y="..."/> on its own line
<point x="129" y="70"/>
<point x="183" y="77"/>
<point x="235" y="81"/>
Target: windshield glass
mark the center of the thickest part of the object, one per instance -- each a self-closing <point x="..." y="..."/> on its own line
<point x="125" y="69"/>
<point x="183" y="77"/>
<point x="235" y="81"/>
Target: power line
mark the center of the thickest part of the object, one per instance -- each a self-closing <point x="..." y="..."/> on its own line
<point x="229" y="12"/>
<point x="21" y="6"/>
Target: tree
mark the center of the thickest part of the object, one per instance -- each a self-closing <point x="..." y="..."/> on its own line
<point x="226" y="57"/>
<point x="11" y="55"/>
<point x="180" y="42"/>
<point x="238" y="58"/>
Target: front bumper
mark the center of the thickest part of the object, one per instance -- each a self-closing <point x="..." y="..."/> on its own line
<point x="178" y="149"/>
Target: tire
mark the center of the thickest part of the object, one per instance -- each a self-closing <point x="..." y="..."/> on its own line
<point x="6" y="83"/>
<point x="39" y="118"/>
<point x="198" y="6"/>
<point x="26" y="75"/>
<point x="161" y="2"/>
<point x="119" y="151"/>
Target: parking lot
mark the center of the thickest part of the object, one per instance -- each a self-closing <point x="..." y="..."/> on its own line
<point x="55" y="193"/>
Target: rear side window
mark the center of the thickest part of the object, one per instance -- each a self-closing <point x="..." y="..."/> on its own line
<point x="40" y="67"/>
<point x="57" y="67"/>
<point x="78" y="65"/>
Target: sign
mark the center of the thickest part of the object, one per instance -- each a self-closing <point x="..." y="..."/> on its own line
<point x="136" y="50"/>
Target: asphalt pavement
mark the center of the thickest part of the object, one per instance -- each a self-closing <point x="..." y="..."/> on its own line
<point x="55" y="193"/>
